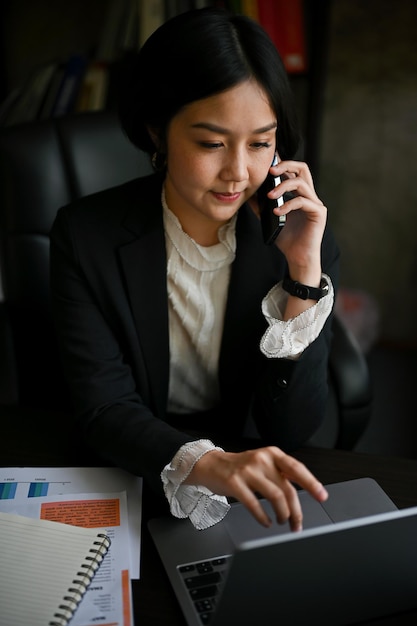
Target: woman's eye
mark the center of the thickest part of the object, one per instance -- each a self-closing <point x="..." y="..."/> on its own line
<point x="261" y="144"/>
<point x="211" y="145"/>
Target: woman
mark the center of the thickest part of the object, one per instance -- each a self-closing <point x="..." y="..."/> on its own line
<point x="170" y="310"/>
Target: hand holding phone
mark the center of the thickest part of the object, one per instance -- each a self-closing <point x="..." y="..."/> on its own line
<point x="271" y="224"/>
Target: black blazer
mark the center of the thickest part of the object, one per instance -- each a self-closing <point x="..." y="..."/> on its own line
<point x="109" y="298"/>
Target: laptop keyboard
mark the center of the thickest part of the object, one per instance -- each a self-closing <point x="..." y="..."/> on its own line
<point x="203" y="580"/>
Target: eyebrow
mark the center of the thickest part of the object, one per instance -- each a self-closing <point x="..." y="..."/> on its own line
<point x="224" y="131"/>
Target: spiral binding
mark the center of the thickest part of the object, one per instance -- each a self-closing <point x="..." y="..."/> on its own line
<point x="82" y="581"/>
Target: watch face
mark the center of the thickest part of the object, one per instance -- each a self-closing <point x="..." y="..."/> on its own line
<point x="301" y="291"/>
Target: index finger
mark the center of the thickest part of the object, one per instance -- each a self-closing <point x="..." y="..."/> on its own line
<point x="297" y="472"/>
<point x="295" y="168"/>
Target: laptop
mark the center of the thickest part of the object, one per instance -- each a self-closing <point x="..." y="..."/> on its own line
<point x="355" y="559"/>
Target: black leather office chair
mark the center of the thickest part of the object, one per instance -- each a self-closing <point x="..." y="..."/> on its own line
<point x="45" y="165"/>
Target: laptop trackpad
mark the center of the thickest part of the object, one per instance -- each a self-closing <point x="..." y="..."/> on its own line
<point x="356" y="498"/>
<point x="347" y="500"/>
<point x="242" y="526"/>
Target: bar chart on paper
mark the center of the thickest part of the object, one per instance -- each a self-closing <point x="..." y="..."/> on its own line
<point x="7" y="491"/>
<point x="38" y="489"/>
<point x="16" y="489"/>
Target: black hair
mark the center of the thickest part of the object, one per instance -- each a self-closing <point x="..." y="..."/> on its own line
<point x="193" y="56"/>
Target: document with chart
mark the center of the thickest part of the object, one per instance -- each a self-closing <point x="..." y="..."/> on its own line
<point x="25" y="483"/>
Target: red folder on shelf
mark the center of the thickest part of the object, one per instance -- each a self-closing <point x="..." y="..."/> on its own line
<point x="283" y="20"/>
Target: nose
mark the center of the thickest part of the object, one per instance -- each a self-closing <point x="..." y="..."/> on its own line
<point x="235" y="167"/>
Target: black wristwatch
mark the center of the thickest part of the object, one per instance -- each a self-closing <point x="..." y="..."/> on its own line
<point x="294" y="288"/>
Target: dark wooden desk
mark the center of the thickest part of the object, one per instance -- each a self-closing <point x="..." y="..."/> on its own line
<point x="36" y="438"/>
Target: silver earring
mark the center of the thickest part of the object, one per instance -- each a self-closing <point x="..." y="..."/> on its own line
<point x="158" y="161"/>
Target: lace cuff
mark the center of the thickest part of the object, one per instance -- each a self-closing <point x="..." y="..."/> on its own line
<point x="287" y="340"/>
<point x="203" y="507"/>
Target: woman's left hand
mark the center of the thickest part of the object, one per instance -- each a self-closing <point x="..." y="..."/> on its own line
<point x="300" y="239"/>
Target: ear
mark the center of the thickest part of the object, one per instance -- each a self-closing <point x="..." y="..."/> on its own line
<point x="155" y="135"/>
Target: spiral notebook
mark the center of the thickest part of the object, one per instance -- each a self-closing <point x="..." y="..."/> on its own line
<point x="46" y="568"/>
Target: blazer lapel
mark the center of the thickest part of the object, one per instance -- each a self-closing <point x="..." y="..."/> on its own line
<point x="256" y="269"/>
<point x="143" y="261"/>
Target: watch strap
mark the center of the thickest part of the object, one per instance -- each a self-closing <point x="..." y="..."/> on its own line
<point x="294" y="288"/>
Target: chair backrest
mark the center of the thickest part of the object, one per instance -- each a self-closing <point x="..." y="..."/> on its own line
<point x="43" y="166"/>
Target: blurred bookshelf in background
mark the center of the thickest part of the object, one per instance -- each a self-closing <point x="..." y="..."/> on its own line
<point x="85" y="78"/>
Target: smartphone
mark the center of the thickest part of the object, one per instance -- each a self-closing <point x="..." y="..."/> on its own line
<point x="271" y="224"/>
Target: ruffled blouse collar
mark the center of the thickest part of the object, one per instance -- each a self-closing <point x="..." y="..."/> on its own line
<point x="201" y="258"/>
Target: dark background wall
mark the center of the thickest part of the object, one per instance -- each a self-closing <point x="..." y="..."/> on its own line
<point x="368" y="154"/>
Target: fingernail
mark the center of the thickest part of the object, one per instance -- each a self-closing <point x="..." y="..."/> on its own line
<point x="322" y="493"/>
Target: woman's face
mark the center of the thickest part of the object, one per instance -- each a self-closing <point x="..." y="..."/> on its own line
<point x="219" y="150"/>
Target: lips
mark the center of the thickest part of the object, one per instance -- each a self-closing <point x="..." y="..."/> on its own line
<point x="227" y="197"/>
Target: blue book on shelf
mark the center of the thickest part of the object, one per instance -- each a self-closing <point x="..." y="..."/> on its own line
<point x="70" y="85"/>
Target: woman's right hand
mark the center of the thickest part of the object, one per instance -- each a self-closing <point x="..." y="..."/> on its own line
<point x="267" y="472"/>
